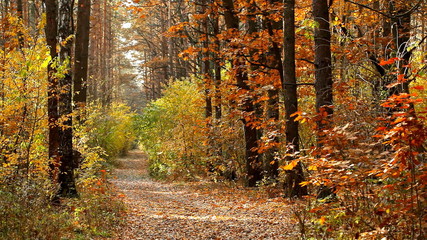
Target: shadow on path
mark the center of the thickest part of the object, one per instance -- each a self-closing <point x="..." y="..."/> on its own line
<point x="159" y="210"/>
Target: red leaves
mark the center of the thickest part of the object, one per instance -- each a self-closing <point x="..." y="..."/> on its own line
<point x="389" y="61"/>
<point x="419" y="87"/>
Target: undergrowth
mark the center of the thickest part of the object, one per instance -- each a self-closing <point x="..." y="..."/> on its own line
<point x="26" y="192"/>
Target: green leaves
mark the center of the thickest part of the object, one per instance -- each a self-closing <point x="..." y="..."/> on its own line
<point x="170" y="130"/>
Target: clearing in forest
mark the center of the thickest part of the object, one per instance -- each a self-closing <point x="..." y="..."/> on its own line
<point x="201" y="210"/>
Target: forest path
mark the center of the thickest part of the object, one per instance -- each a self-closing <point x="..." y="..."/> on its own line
<point x="202" y="210"/>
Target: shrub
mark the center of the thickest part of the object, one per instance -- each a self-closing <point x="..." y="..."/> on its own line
<point x="378" y="181"/>
<point x="171" y="131"/>
<point x="110" y="129"/>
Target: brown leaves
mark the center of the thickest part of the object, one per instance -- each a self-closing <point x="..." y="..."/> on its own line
<point x="199" y="210"/>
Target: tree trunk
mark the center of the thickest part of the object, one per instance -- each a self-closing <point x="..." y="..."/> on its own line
<point x="271" y="164"/>
<point x="51" y="31"/>
<point x="295" y="176"/>
<point x="104" y="62"/>
<point x="401" y="27"/>
<point x="20" y="12"/>
<point x="253" y="164"/>
<point x="81" y="54"/>
<point x="396" y="27"/>
<point x="206" y="69"/>
<point x="95" y="39"/>
<point x="67" y="165"/>
<point x="323" y="64"/>
<point x="217" y="70"/>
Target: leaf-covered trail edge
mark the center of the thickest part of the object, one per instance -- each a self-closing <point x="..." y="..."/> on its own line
<point x="198" y="210"/>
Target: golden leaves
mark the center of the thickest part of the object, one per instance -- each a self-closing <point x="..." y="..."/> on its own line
<point x="290" y="166"/>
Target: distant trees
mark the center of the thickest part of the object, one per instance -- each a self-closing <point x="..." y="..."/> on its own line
<point x="327" y="93"/>
<point x="252" y="56"/>
<point x="45" y="156"/>
<point x="66" y="93"/>
<point x="89" y="74"/>
<point x="103" y="73"/>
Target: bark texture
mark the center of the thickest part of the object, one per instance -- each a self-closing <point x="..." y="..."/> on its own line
<point x="51" y="31"/>
<point x="67" y="164"/>
<point x="253" y="164"/>
<point x="322" y="61"/>
<point x="295" y="176"/>
<point x="81" y="53"/>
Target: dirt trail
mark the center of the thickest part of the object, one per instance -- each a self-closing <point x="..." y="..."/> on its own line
<point x="204" y="210"/>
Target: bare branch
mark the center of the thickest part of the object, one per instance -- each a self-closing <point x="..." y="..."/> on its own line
<point x="370" y="8"/>
<point x="305" y="60"/>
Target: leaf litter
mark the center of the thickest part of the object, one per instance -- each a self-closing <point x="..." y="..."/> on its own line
<point x="196" y="210"/>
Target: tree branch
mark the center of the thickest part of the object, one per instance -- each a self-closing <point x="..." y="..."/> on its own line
<point x="305" y="60"/>
<point x="370" y="8"/>
<point x="410" y="10"/>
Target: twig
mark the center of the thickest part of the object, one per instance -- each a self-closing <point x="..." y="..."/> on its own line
<point x="370" y="8"/>
<point x="306" y="60"/>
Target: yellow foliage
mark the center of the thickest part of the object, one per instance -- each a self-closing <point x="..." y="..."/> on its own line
<point x="171" y="130"/>
<point x="25" y="182"/>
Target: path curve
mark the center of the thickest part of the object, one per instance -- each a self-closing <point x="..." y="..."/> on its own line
<point x="204" y="210"/>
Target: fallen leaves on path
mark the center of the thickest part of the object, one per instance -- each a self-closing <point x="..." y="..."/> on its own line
<point x="199" y="210"/>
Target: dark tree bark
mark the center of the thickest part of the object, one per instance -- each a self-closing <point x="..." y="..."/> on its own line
<point x="323" y="73"/>
<point x="217" y="70"/>
<point x="105" y="80"/>
<point x="401" y="27"/>
<point x="271" y="164"/>
<point x="51" y="30"/>
<point x="253" y="163"/>
<point x="81" y="54"/>
<point x="323" y="62"/>
<point x="295" y="176"/>
<point x="67" y="163"/>
<point x="20" y="12"/>
<point x="396" y="25"/>
<point x="206" y="64"/>
<point x="171" y="53"/>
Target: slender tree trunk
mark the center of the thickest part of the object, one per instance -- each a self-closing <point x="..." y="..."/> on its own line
<point x="217" y="100"/>
<point x="323" y="73"/>
<point x="206" y="69"/>
<point x="111" y="57"/>
<point x="81" y="54"/>
<point x="108" y="55"/>
<point x="396" y="27"/>
<point x="164" y="48"/>
<point x="95" y="39"/>
<point x="401" y="28"/>
<point x="258" y="112"/>
<point x="323" y="63"/>
<point x="217" y="69"/>
<point x="103" y="46"/>
<point x="271" y="164"/>
<point x="51" y="30"/>
<point x="20" y="12"/>
<point x="171" y="40"/>
<point x="295" y="176"/>
<point x="253" y="164"/>
<point x="67" y="164"/>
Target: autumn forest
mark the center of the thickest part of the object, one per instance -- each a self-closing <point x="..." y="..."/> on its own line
<point x="213" y="119"/>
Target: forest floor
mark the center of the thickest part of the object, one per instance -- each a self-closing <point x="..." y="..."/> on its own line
<point x="196" y="210"/>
